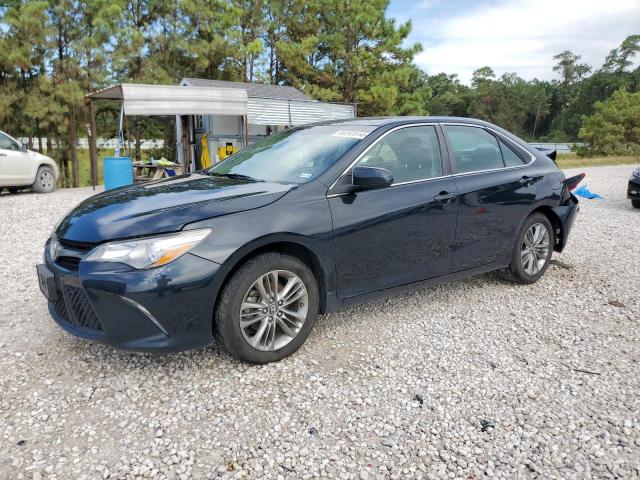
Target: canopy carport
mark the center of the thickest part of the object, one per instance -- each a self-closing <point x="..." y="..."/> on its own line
<point x="212" y="114"/>
<point x="181" y="101"/>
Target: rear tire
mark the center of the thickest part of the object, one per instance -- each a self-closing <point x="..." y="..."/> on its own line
<point x="635" y="203"/>
<point x="532" y="251"/>
<point x="45" y="180"/>
<point x="284" y="326"/>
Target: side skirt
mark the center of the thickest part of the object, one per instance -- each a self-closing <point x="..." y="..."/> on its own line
<point x="335" y="303"/>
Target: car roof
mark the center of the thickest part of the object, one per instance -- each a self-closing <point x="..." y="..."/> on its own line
<point x="381" y="121"/>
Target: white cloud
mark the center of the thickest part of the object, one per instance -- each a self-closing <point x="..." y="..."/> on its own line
<point x="520" y="36"/>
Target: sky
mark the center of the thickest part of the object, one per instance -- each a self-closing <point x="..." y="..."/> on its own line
<point x="522" y="36"/>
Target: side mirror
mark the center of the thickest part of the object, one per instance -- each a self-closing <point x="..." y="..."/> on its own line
<point x="25" y="147"/>
<point x="368" y="178"/>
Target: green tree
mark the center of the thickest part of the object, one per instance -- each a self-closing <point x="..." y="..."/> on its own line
<point x="97" y="20"/>
<point x="206" y="27"/>
<point x="614" y="128"/>
<point x="348" y="51"/>
<point x="482" y="76"/>
<point x="274" y="12"/>
<point x="511" y="102"/>
<point x="621" y="58"/>
<point x="568" y="67"/>
<point x="413" y="93"/>
<point x="571" y="72"/>
<point x="22" y="62"/>
<point x="447" y="95"/>
<point x="67" y="88"/>
<point x="249" y="37"/>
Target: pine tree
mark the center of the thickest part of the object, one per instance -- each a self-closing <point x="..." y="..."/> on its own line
<point x="97" y="20"/>
<point x="348" y="51"/>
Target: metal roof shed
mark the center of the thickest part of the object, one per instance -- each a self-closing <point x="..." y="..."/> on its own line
<point x="149" y="100"/>
<point x="279" y="104"/>
<point x="146" y="100"/>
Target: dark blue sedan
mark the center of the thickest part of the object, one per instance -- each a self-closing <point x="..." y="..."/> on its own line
<point x="310" y="220"/>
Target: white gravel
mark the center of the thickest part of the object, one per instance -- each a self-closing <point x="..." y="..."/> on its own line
<point x="474" y="378"/>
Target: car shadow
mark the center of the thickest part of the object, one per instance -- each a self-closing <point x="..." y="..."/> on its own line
<point x="6" y="193"/>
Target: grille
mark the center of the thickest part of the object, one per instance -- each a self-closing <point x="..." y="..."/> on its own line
<point x="61" y="309"/>
<point x="78" y="310"/>
<point x="69" y="263"/>
<point x="80" y="247"/>
<point x="72" y="254"/>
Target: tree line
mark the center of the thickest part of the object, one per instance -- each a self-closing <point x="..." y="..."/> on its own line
<point x="53" y="52"/>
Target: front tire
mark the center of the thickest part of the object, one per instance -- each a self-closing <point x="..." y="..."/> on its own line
<point x="635" y="203"/>
<point x="45" y="180"/>
<point x="267" y="309"/>
<point x="533" y="249"/>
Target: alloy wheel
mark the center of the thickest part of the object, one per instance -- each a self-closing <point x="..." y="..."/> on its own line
<point x="274" y="310"/>
<point x="535" y="248"/>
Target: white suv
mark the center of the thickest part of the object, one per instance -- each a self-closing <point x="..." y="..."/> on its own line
<point x="21" y="168"/>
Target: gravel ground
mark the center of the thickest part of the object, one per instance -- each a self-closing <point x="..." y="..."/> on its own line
<point x="471" y="379"/>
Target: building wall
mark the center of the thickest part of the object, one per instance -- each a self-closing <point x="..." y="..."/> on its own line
<point x="223" y="129"/>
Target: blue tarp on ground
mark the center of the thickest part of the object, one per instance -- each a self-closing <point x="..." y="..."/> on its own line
<point x="584" y="192"/>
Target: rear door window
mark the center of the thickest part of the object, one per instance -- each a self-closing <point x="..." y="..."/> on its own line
<point x="474" y="149"/>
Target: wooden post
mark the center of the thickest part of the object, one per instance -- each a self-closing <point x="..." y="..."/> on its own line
<point x="186" y="147"/>
<point x="91" y="135"/>
<point x="73" y="147"/>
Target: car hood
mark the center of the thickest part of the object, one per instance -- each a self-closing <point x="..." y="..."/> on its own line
<point x="164" y="206"/>
<point x="39" y="156"/>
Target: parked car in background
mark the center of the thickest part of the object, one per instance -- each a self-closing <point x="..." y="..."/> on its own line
<point x="21" y="168"/>
<point x="308" y="221"/>
<point x="633" y="189"/>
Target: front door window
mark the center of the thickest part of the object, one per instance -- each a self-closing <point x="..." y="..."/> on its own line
<point x="7" y="143"/>
<point x="410" y="154"/>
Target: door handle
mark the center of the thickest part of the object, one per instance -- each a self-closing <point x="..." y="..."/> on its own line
<point x="445" y="197"/>
<point x="526" y="180"/>
<point x="3" y="154"/>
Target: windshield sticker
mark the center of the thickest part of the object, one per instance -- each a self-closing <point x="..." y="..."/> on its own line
<point x="306" y="175"/>
<point x="350" y="134"/>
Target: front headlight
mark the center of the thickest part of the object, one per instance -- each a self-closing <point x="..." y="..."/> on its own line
<point x="148" y="252"/>
<point x="53" y="246"/>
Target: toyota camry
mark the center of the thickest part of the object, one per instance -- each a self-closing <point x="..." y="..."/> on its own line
<point x="312" y="219"/>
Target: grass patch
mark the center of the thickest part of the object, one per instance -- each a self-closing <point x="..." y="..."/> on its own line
<point x="571" y="160"/>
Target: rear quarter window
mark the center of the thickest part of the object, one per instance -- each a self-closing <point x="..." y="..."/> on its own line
<point x="511" y="158"/>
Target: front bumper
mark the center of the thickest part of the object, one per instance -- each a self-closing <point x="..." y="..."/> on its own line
<point x="164" y="309"/>
<point x="633" y="190"/>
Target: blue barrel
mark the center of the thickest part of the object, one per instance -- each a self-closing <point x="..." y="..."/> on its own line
<point x="117" y="172"/>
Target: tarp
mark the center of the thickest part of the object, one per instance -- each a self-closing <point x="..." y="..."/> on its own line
<point x="146" y="100"/>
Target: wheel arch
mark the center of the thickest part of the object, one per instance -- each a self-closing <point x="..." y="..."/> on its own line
<point x="556" y="223"/>
<point x="289" y="245"/>
<point x="42" y="163"/>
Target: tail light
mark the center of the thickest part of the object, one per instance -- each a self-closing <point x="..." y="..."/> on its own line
<point x="573" y="182"/>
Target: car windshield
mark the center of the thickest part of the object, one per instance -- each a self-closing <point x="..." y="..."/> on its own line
<point x="293" y="156"/>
